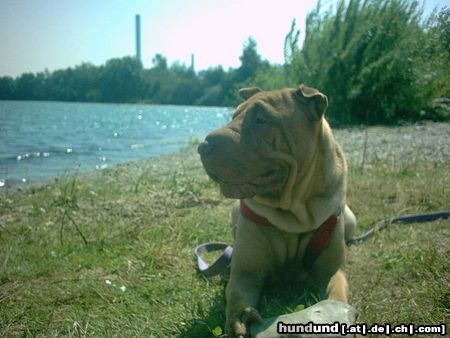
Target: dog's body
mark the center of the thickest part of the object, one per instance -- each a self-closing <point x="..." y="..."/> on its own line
<point x="279" y="156"/>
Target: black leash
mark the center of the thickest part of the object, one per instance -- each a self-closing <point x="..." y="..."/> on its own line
<point x="407" y="219"/>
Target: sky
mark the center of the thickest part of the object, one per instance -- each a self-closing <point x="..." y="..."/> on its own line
<point x="56" y="34"/>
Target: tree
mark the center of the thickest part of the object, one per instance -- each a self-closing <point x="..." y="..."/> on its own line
<point x="61" y="86"/>
<point x="122" y="81"/>
<point x="363" y="55"/>
<point x="29" y="86"/>
<point x="434" y="54"/>
<point x="212" y="76"/>
<point x="291" y="43"/>
<point x="159" y="63"/>
<point x="7" y="88"/>
<point x="211" y="82"/>
<point x="185" y="85"/>
<point x="85" y="81"/>
<point x="250" y="61"/>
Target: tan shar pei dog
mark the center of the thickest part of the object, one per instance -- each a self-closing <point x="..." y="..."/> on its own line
<point x="278" y="156"/>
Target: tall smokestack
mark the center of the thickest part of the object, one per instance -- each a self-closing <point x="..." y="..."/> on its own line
<point x="138" y="37"/>
<point x="192" y="62"/>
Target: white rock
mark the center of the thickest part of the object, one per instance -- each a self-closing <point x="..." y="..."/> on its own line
<point x="324" y="312"/>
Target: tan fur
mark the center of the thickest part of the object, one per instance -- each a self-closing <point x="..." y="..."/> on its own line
<point x="279" y="155"/>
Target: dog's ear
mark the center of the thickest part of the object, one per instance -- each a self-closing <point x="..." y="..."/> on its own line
<point x="246" y="93"/>
<point x="315" y="99"/>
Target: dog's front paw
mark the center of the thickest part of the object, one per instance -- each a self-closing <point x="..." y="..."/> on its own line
<point x="238" y="324"/>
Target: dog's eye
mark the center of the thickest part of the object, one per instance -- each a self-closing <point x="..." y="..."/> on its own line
<point x="260" y="119"/>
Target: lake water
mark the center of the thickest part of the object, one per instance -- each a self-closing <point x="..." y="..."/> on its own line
<point x="41" y="140"/>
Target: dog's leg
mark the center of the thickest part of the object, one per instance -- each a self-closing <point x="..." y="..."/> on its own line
<point x="242" y="293"/>
<point x="338" y="287"/>
<point x="327" y="279"/>
<point x="250" y="267"/>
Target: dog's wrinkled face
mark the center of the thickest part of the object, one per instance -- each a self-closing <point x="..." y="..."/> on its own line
<point x="252" y="155"/>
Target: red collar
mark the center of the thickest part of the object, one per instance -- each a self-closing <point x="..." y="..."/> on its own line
<point x="317" y="243"/>
<point x="253" y="216"/>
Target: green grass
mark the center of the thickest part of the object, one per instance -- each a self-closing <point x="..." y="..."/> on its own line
<point x="111" y="253"/>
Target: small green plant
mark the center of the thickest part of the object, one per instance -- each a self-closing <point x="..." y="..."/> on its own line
<point x="217" y="331"/>
<point x="299" y="307"/>
<point x="67" y="205"/>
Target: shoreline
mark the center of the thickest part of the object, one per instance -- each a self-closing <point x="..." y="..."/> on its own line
<point x="78" y="172"/>
<point x="402" y="145"/>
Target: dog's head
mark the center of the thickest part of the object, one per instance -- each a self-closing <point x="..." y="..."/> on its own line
<point x="271" y="137"/>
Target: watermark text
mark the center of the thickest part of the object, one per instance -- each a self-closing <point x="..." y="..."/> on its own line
<point x="361" y="329"/>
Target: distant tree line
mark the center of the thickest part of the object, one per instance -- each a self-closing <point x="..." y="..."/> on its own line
<point x="379" y="61"/>
<point x="125" y="80"/>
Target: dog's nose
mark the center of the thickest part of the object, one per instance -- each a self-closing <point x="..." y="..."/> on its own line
<point x="205" y="148"/>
